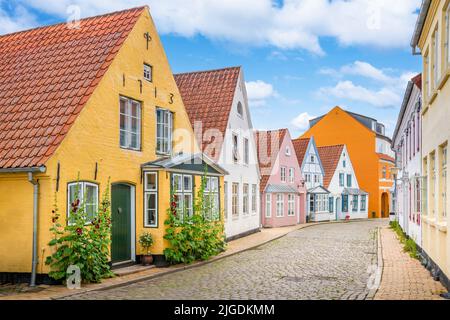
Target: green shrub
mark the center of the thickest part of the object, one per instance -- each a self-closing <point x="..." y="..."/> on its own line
<point x="409" y="245"/>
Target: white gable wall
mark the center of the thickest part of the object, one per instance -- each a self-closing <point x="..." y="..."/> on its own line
<point x="239" y="172"/>
<point x="336" y="189"/>
<point x="312" y="167"/>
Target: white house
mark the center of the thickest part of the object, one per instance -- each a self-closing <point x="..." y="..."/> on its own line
<point x="313" y="174"/>
<point x="217" y="105"/>
<point x="346" y="200"/>
<point x="407" y="145"/>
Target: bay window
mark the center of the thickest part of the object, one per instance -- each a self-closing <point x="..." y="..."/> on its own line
<point x="183" y="194"/>
<point x="151" y="200"/>
<point x="363" y="203"/>
<point x="268" y="205"/>
<point x="280" y="205"/>
<point x="355" y="204"/>
<point x="212" y="198"/>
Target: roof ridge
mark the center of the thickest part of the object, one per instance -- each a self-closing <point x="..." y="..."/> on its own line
<point x="332" y="145"/>
<point x="83" y="19"/>
<point x="211" y="70"/>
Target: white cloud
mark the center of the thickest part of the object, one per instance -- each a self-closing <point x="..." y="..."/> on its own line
<point x="388" y="90"/>
<point x="258" y="92"/>
<point x="19" y="19"/>
<point x="383" y="98"/>
<point x="295" y="24"/>
<point x="301" y="122"/>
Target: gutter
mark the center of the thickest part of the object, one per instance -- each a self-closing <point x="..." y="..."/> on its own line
<point x="40" y="169"/>
<point x="419" y="25"/>
<point x="35" y="183"/>
<point x="34" y="260"/>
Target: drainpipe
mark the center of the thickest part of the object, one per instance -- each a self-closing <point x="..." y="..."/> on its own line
<point x="34" y="261"/>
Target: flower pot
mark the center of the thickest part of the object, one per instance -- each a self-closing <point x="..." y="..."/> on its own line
<point x="147" y="259"/>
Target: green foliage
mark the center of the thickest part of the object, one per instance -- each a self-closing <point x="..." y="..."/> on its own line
<point x="146" y="241"/>
<point x="199" y="237"/>
<point x="81" y="242"/>
<point x="409" y="245"/>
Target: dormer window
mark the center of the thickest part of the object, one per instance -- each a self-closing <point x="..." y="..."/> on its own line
<point x="240" y="110"/>
<point x="288" y="151"/>
<point x="148" y="72"/>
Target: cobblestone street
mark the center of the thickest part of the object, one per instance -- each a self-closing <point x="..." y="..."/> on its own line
<point x="322" y="262"/>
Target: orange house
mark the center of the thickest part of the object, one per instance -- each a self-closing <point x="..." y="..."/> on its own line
<point x="369" y="149"/>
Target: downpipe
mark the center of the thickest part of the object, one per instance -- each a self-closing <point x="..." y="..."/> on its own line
<point x="34" y="260"/>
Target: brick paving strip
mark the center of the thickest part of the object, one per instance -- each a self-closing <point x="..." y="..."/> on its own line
<point x="404" y="278"/>
<point x="233" y="248"/>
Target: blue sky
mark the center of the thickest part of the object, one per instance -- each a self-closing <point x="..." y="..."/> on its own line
<point x="300" y="57"/>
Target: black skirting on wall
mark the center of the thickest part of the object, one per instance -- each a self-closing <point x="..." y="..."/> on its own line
<point x="23" y="277"/>
<point x="242" y="235"/>
<point x="435" y="270"/>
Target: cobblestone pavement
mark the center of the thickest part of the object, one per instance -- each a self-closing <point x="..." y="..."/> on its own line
<point x="404" y="278"/>
<point x="321" y="262"/>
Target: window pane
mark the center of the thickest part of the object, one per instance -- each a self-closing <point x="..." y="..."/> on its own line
<point x="187" y="183"/>
<point x="151" y="209"/>
<point x="177" y="183"/>
<point x="75" y="193"/>
<point x="151" y="182"/>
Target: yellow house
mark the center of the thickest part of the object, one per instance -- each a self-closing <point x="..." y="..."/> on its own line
<point x="431" y="37"/>
<point x="92" y="103"/>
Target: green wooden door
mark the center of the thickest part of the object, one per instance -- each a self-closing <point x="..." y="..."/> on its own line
<point x="121" y="223"/>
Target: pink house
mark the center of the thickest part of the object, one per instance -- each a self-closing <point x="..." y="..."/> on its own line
<point x="283" y="192"/>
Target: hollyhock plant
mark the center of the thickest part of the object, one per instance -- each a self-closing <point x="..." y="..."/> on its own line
<point x="83" y="244"/>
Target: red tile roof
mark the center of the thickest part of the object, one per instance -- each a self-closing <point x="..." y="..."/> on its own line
<point x="418" y="81"/>
<point x="46" y="77"/>
<point x="385" y="157"/>
<point x="208" y="98"/>
<point x="329" y="156"/>
<point x="300" y="146"/>
<point x="266" y="149"/>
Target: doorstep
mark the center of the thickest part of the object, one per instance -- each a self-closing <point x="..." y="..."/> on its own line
<point x="136" y="268"/>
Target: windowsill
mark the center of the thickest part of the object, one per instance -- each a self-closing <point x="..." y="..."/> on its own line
<point x="425" y="109"/>
<point x="442" y="226"/>
<point x="432" y="97"/>
<point x="444" y="79"/>
<point x="130" y="149"/>
<point x="162" y="154"/>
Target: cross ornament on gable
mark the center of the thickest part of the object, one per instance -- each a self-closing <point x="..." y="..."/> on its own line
<point x="148" y="38"/>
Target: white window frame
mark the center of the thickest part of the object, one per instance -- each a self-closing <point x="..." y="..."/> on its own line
<point x="225" y="195"/>
<point x="447" y="36"/>
<point x="82" y="195"/>
<point x="363" y="205"/>
<point x="355" y="204"/>
<point x="127" y="131"/>
<point x="443" y="177"/>
<point x="148" y="192"/>
<point x="235" y="146"/>
<point x="280" y="205"/>
<point x="245" y="199"/>
<point x="268" y="205"/>
<point x="181" y="193"/>
<point x="254" y="198"/>
<point x="341" y="179"/>
<point x="436" y="58"/>
<point x="212" y="192"/>
<point x="283" y="174"/>
<point x="291" y="175"/>
<point x="291" y="205"/>
<point x="240" y="109"/>
<point x="148" y="72"/>
<point x="246" y="151"/>
<point x="349" y="185"/>
<point x="164" y="142"/>
<point x="235" y="200"/>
